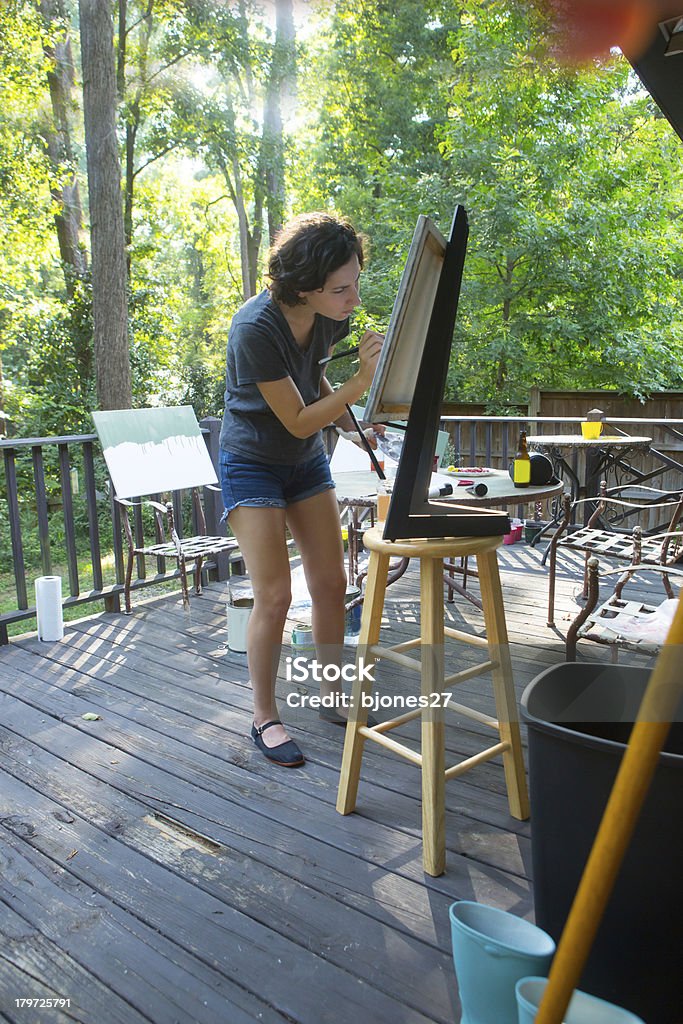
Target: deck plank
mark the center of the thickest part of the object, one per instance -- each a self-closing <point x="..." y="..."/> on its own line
<point x="153" y="863"/>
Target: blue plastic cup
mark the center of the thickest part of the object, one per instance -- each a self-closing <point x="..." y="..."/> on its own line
<point x="492" y="950"/>
<point x="582" y="1009"/>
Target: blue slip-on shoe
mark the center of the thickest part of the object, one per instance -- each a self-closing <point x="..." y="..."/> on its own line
<point x="286" y="754"/>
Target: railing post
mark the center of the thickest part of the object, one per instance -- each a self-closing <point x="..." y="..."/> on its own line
<point x="213" y="503"/>
<point x="534" y="404"/>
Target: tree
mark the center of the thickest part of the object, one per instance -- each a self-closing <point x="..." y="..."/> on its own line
<point x="241" y="130"/>
<point x="571" y="185"/>
<point x="571" y="179"/>
<point x="57" y="133"/>
<point x="109" y="276"/>
<point x="280" y="92"/>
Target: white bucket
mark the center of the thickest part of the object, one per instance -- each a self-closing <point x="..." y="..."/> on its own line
<point x="239" y="610"/>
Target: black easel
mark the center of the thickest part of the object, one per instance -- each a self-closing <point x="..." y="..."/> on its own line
<point x="411" y="513"/>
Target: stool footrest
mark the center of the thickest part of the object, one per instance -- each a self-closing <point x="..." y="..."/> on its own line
<point x="406" y="645"/>
<point x="476" y="716"/>
<point x="389" y="654"/>
<point x="416" y="758"/>
<point x="466" y="638"/>
<point x="468" y="673"/>
<point x="471" y="762"/>
<point x="394" y="745"/>
<point x="393" y="723"/>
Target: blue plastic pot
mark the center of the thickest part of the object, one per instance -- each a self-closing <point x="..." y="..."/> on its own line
<point x="582" y="1009"/>
<point x="492" y="950"/>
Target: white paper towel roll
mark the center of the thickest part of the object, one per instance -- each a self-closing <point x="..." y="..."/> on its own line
<point x="49" y="608"/>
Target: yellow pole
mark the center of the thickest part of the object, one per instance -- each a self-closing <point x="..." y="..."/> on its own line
<point x="661" y="698"/>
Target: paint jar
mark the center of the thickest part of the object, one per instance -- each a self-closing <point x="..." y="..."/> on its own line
<point x="302" y="640"/>
<point x="384" y="489"/>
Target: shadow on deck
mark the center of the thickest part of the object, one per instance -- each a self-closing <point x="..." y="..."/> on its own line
<point x="156" y="868"/>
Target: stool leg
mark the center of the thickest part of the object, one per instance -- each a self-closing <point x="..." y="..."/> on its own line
<point x="370" y="624"/>
<point x="432" y="718"/>
<point x="503" y="689"/>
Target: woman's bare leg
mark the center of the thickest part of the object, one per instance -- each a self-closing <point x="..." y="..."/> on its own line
<point x="315" y="527"/>
<point x="260" y="533"/>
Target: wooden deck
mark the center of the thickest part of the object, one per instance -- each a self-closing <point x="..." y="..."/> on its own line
<point x="155" y="868"/>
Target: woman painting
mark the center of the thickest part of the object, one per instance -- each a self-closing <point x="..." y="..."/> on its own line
<point x="274" y="471"/>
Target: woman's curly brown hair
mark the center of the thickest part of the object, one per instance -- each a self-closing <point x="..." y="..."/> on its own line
<point x="306" y="251"/>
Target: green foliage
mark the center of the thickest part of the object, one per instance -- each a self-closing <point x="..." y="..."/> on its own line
<point x="566" y="284"/>
<point x="572" y="181"/>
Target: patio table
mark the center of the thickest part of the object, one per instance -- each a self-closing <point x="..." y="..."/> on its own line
<point x="357" y="491"/>
<point x="603" y="454"/>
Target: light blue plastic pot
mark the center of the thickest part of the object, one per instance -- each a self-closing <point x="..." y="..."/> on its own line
<point x="492" y="950"/>
<point x="582" y="1009"/>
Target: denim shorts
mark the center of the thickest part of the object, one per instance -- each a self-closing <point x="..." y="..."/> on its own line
<point x="264" y="485"/>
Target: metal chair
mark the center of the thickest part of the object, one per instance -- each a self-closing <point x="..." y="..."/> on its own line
<point x="600" y="536"/>
<point x="617" y="622"/>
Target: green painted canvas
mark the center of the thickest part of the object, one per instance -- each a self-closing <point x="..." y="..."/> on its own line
<point x="151" y="451"/>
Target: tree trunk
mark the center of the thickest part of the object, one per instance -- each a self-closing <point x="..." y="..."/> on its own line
<point x="279" y="95"/>
<point x="64" y="186"/>
<point x="109" y="278"/>
<point x="133" y="119"/>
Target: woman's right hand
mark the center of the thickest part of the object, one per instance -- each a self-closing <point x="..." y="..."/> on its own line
<point x="369" y="350"/>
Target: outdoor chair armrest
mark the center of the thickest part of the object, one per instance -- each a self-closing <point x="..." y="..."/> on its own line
<point x="138" y="504"/>
<point x="632" y="492"/>
<point x="644" y="566"/>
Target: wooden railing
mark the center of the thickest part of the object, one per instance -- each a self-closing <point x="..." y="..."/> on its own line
<point x="492" y="441"/>
<point x="59" y="518"/>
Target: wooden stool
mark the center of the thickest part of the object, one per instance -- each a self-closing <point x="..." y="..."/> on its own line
<point x="431" y="668"/>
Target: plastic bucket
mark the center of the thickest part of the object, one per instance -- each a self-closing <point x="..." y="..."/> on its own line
<point x="582" y="1009"/>
<point x="579" y="717"/>
<point x="492" y="950"/>
<point x="239" y="610"/>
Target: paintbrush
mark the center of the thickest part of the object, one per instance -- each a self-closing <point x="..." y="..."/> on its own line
<point x="339" y="355"/>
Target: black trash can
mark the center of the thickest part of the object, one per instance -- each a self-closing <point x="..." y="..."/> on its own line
<point x="579" y="717"/>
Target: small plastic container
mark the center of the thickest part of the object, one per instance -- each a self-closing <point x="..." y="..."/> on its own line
<point x="515" y="534"/>
<point x="582" y="1009"/>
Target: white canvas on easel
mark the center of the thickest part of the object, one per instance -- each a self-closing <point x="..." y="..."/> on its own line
<point x="393" y="386"/>
<point x="149" y="451"/>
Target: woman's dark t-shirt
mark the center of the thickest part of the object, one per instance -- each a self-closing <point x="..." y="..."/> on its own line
<point x="261" y="348"/>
